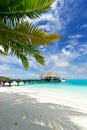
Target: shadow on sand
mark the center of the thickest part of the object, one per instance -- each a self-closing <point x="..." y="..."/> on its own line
<point x="21" y="112"/>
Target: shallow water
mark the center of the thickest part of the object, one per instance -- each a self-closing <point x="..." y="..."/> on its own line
<point x="73" y="86"/>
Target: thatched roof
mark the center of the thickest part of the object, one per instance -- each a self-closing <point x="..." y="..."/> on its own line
<point x="49" y="74"/>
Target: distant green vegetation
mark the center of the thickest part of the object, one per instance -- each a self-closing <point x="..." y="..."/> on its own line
<point x="4" y="78"/>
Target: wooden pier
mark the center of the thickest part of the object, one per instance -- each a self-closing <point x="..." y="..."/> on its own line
<point x="18" y="82"/>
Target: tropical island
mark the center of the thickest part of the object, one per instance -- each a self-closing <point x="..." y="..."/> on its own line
<point x="4" y="78"/>
<point x="46" y="104"/>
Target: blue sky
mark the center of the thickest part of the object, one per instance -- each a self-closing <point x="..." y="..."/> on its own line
<point x="68" y="57"/>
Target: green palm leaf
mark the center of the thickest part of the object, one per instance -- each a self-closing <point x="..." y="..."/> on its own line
<point x="3" y="53"/>
<point x="21" y="39"/>
<point x="19" y="8"/>
<point x="34" y="35"/>
<point x="26" y="33"/>
<point x="24" y="52"/>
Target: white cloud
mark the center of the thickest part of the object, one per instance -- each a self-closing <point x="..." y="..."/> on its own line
<point x="45" y="27"/>
<point x="62" y="59"/>
<point x="72" y="41"/>
<point x="33" y="63"/>
<point x="54" y="21"/>
<point x="1" y="48"/>
<point x="9" y="71"/>
<point x="58" y="17"/>
<point x="79" y="49"/>
<point x="76" y="36"/>
<point x="9" y="59"/>
<point x="70" y="54"/>
<point x="4" y="67"/>
<point x="58" y="62"/>
<point x="55" y="4"/>
<point x="83" y="49"/>
<point x="84" y="26"/>
<point x="80" y="68"/>
<point x="45" y="17"/>
<point x="66" y="53"/>
<point x="62" y="62"/>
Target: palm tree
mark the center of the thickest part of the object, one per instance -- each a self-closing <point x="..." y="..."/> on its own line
<point x="21" y="38"/>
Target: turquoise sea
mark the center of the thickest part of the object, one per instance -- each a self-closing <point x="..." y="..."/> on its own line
<point x="69" y="85"/>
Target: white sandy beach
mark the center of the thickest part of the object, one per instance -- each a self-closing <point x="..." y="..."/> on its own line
<point x="38" y="109"/>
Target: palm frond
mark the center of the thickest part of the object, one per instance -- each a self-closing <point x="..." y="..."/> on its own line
<point x="24" y="52"/>
<point x="22" y="39"/>
<point x="19" y="8"/>
<point x="34" y="35"/>
<point x="3" y="53"/>
<point x="26" y="33"/>
<point x="34" y="52"/>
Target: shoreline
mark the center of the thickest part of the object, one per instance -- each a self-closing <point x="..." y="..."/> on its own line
<point x="45" y="110"/>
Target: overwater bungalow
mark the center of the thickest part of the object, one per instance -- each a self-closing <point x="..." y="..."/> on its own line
<point x="50" y="77"/>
